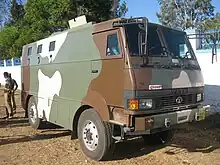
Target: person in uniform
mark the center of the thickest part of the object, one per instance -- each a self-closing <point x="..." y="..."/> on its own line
<point x="14" y="88"/>
<point x="7" y="95"/>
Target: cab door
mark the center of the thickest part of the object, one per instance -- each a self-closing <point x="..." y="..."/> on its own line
<point x="110" y="82"/>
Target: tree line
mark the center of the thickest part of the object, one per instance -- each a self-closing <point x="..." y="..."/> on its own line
<point x="185" y="14"/>
<point x="36" y="19"/>
<point x="191" y="14"/>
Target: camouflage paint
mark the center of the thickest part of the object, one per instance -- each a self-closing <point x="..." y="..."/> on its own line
<point x="52" y="82"/>
<point x="64" y="82"/>
<point x="168" y="78"/>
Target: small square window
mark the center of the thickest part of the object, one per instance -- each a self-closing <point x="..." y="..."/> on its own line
<point x="39" y="48"/>
<point x="29" y="51"/>
<point x="112" y="45"/>
<point x="52" y="46"/>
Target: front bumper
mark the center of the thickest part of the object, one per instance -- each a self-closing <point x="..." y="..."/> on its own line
<point x="147" y="124"/>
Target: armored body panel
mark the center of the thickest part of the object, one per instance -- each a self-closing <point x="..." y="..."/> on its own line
<point x="131" y="77"/>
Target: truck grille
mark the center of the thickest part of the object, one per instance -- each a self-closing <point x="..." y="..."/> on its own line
<point x="175" y="100"/>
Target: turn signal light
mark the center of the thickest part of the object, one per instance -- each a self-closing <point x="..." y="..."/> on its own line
<point x="133" y="104"/>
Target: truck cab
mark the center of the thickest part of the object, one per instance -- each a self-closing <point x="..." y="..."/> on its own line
<point x="166" y="77"/>
<point x="155" y="83"/>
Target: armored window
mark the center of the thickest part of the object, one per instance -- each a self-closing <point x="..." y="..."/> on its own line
<point x="39" y="48"/>
<point x="112" y="45"/>
<point x="29" y="51"/>
<point x="52" y="46"/>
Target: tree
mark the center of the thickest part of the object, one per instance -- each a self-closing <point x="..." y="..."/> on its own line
<point x="8" y="36"/>
<point x="217" y="17"/>
<point x="185" y="14"/>
<point x="211" y="24"/>
<point x="11" y="11"/>
<point x="53" y="15"/>
<point x="40" y="18"/>
<point x="99" y="10"/>
<point x="4" y="10"/>
<point x="167" y="15"/>
<point x="121" y="9"/>
<point x="17" y="12"/>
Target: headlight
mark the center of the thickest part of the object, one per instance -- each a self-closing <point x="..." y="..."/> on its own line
<point x="145" y="103"/>
<point x="199" y="97"/>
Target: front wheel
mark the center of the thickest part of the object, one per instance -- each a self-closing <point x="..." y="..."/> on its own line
<point x="95" y="136"/>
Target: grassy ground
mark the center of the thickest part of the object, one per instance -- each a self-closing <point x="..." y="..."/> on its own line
<point x="195" y="144"/>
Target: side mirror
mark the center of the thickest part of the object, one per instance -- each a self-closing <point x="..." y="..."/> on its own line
<point x="142" y="37"/>
<point x="214" y="53"/>
<point x="214" y="48"/>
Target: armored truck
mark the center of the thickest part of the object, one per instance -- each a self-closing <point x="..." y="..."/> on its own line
<point x="109" y="81"/>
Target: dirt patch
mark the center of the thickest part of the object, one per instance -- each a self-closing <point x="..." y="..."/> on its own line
<point x="194" y="144"/>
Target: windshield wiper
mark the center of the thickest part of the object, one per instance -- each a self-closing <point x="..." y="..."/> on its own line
<point x="169" y="52"/>
<point x="176" y="65"/>
<point x="158" y="65"/>
<point x="191" y="67"/>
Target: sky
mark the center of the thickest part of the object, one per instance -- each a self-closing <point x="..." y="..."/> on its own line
<point x="148" y="8"/>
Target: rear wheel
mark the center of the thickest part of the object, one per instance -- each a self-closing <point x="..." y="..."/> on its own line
<point x="33" y="118"/>
<point x="95" y="136"/>
<point x="159" y="138"/>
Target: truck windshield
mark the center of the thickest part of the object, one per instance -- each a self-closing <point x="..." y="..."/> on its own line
<point x="133" y="32"/>
<point x="178" y="43"/>
<point x="153" y="41"/>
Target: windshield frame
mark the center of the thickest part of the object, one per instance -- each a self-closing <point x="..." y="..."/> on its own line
<point x="186" y="42"/>
<point x="162" y="41"/>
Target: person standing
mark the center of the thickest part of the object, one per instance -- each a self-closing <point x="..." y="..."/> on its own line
<point x="14" y="88"/>
<point x="7" y="95"/>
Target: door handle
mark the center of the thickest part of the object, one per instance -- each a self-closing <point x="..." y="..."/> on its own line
<point x="95" y="71"/>
<point x="38" y="60"/>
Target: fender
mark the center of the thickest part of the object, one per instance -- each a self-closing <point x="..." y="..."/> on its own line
<point x="97" y="101"/>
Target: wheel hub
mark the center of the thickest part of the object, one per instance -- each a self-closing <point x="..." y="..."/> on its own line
<point x="90" y="136"/>
<point x="33" y="113"/>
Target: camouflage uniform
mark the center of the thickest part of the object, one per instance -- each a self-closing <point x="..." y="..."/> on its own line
<point x="7" y="96"/>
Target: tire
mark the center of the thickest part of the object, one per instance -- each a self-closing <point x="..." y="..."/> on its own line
<point x="98" y="145"/>
<point x="159" y="138"/>
<point x="33" y="118"/>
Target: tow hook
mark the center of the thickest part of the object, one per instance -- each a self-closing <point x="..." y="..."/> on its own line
<point x="167" y="122"/>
